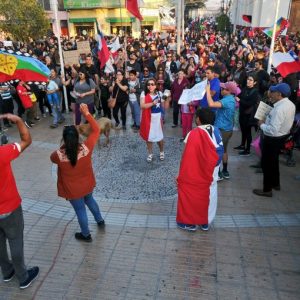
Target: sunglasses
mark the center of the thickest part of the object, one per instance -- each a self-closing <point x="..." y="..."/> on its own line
<point x="151" y="84"/>
<point x="169" y="56"/>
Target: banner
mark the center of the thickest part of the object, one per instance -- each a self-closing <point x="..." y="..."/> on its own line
<point x="167" y="18"/>
<point x="197" y="92"/>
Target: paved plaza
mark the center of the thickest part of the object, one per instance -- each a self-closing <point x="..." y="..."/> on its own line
<point x="252" y="251"/>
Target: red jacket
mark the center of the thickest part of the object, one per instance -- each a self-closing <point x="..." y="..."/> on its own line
<point x="25" y="99"/>
<point x="78" y="181"/>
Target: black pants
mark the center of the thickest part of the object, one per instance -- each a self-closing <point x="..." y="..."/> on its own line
<point x="246" y="131"/>
<point x="123" y="107"/>
<point x="106" y="109"/>
<point x="270" y="161"/>
<point x="11" y="230"/>
<point x="176" y="108"/>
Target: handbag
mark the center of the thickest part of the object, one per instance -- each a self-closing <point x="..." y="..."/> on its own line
<point x="112" y="101"/>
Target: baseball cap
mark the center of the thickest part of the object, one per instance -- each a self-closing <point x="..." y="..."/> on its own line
<point x="231" y="86"/>
<point x="282" y="88"/>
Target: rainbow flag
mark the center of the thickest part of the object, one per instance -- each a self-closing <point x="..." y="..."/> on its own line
<point x="16" y="65"/>
<point x="281" y="25"/>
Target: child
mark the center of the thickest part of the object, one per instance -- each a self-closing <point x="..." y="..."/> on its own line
<point x="187" y="114"/>
<point x="53" y="99"/>
<point x="104" y="91"/>
<point x="134" y="96"/>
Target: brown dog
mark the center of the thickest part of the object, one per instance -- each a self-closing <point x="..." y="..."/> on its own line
<point x="105" y="125"/>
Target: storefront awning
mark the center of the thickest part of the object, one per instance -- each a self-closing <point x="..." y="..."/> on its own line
<point x="82" y="20"/>
<point x="119" y="20"/>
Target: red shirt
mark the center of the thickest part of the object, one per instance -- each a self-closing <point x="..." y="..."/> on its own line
<point x="78" y="181"/>
<point x="9" y="195"/>
<point x="25" y="99"/>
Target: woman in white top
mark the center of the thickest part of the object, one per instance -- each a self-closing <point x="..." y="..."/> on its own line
<point x="151" y="102"/>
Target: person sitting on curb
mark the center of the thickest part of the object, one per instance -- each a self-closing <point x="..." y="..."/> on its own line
<point x="11" y="214"/>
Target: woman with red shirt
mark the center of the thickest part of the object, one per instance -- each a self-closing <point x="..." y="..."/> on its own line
<point x="76" y="179"/>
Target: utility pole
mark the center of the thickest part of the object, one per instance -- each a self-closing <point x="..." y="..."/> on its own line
<point x="273" y="37"/>
<point x="54" y="8"/>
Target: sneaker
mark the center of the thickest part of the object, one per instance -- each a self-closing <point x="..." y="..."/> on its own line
<point x="244" y="153"/>
<point x="53" y="126"/>
<point x="162" y="156"/>
<point x="181" y="140"/>
<point x="174" y="126"/>
<point x="220" y="176"/>
<point x="101" y="223"/>
<point x="32" y="275"/>
<point x="240" y="147"/>
<point x="225" y="174"/>
<point x="28" y="125"/>
<point x="81" y="237"/>
<point x="4" y="129"/>
<point x="9" y="277"/>
<point x="149" y="158"/>
<point x="187" y="227"/>
<point x="117" y="126"/>
<point x="32" y="124"/>
<point x="44" y="115"/>
<point x="61" y="120"/>
<point x="37" y="118"/>
<point x="204" y="227"/>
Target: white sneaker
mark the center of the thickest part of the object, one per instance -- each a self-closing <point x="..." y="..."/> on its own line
<point x="162" y="156"/>
<point x="149" y="157"/>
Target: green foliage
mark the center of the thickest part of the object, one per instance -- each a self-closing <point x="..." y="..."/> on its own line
<point x="223" y="23"/>
<point x="23" y="19"/>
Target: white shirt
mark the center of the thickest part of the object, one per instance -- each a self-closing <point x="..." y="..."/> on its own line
<point x="280" y="120"/>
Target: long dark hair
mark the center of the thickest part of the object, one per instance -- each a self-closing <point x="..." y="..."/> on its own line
<point x="71" y="142"/>
<point x="146" y="85"/>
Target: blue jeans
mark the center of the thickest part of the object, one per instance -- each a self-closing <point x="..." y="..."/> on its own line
<point x="79" y="207"/>
<point x="136" y="112"/>
<point x="54" y="101"/>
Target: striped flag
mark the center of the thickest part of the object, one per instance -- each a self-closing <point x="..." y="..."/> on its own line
<point x="286" y="63"/>
<point x="281" y="25"/>
<point x="103" y="52"/>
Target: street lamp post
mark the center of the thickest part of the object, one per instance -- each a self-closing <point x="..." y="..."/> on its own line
<point x="54" y="8"/>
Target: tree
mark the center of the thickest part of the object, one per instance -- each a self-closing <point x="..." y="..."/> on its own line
<point x="22" y="20"/>
<point x="224" y="24"/>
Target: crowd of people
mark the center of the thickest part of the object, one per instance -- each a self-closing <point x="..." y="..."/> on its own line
<point x="150" y="76"/>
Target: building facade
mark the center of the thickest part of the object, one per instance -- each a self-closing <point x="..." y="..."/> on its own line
<point x="262" y="12"/>
<point x="111" y="16"/>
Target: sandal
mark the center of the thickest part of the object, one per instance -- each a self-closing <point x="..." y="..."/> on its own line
<point x="162" y="156"/>
<point x="150" y="158"/>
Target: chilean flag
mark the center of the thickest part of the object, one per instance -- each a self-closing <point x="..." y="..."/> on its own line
<point x="114" y="47"/>
<point x="133" y="7"/>
<point x="103" y="52"/>
<point x="286" y="63"/>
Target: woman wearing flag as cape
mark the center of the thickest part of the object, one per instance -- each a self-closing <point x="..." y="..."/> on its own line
<point x="198" y="174"/>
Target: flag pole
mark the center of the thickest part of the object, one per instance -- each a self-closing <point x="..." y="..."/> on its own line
<point x="125" y="39"/>
<point x="273" y="37"/>
<point x="178" y="23"/>
<point x="62" y="66"/>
